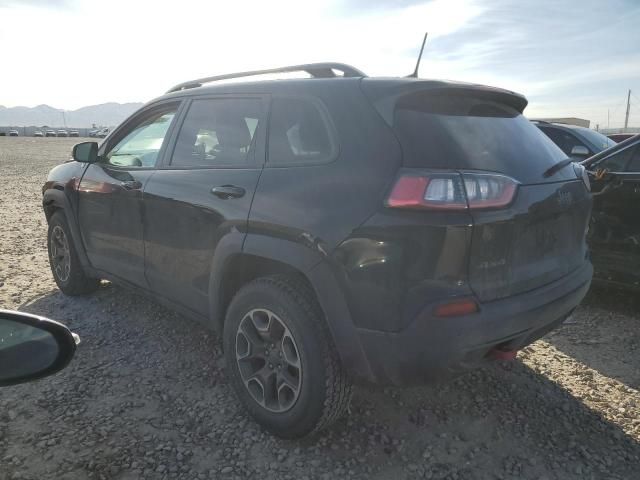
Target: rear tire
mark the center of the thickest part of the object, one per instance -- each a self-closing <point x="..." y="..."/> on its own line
<point x="63" y="259"/>
<point x="281" y="360"/>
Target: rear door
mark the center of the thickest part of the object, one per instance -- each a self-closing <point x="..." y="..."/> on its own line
<point x="539" y="236"/>
<point x="202" y="195"/>
<point x="614" y="236"/>
<point x="110" y="193"/>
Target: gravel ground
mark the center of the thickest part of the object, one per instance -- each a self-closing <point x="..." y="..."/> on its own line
<point x="146" y="395"/>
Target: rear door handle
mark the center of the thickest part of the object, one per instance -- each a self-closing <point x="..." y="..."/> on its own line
<point x="131" y="185"/>
<point x="228" y="191"/>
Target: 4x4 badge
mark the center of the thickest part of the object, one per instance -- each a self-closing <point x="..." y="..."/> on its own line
<point x="565" y="199"/>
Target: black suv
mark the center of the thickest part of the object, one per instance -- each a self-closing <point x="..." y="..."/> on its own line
<point x="333" y="228"/>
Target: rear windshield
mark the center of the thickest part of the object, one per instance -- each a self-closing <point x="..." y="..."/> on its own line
<point x="463" y="132"/>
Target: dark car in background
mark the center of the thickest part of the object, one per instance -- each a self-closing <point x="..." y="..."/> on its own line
<point x="620" y="137"/>
<point x="335" y="229"/>
<point x="614" y="234"/>
<point x="578" y="143"/>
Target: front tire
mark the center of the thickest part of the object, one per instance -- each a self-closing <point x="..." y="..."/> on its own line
<point x="281" y="359"/>
<point x="63" y="259"/>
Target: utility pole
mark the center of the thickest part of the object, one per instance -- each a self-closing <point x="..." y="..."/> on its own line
<point x="626" y="118"/>
<point x="608" y="126"/>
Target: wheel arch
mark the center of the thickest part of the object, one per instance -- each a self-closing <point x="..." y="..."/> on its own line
<point x="260" y="256"/>
<point x="53" y="200"/>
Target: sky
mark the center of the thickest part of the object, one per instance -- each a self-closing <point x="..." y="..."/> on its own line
<point x="569" y="58"/>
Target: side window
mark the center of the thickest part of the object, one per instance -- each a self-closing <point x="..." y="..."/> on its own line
<point x="217" y="132"/>
<point x="565" y="140"/>
<point x="140" y="146"/>
<point x="298" y="133"/>
<point x="617" y="162"/>
<point x="634" y="163"/>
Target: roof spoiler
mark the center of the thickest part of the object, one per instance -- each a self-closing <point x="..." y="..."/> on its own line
<point x="385" y="96"/>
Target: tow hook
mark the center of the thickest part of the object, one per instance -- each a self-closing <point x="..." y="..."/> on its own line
<point x="498" y="354"/>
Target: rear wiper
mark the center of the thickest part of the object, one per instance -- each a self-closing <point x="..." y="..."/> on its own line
<point x="557" y="167"/>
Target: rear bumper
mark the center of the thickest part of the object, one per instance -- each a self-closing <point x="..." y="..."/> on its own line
<point x="431" y="348"/>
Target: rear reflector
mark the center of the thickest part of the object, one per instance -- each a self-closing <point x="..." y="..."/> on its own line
<point x="452" y="191"/>
<point x="456" y="308"/>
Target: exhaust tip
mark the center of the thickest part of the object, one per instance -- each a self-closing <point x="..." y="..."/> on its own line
<point x="498" y="354"/>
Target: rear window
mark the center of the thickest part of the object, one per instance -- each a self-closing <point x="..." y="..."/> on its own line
<point x="597" y="139"/>
<point x="463" y="132"/>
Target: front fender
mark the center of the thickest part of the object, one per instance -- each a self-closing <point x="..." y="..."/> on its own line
<point x="57" y="197"/>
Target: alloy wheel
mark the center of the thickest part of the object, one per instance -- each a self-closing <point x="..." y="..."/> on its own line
<point x="60" y="256"/>
<point x="268" y="360"/>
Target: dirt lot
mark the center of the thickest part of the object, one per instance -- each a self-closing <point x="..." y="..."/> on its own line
<point x="146" y="395"/>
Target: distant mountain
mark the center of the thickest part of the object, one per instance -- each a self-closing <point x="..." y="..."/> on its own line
<point x="106" y="114"/>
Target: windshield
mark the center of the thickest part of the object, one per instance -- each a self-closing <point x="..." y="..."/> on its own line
<point x="596" y="139"/>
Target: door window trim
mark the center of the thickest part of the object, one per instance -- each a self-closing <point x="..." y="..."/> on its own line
<point x="258" y="153"/>
<point x="124" y="128"/>
<point x="332" y="134"/>
<point x="623" y="171"/>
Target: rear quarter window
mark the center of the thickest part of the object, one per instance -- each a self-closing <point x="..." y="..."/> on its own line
<point x="299" y="133"/>
<point x="463" y="132"/>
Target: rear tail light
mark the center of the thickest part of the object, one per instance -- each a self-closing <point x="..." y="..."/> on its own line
<point x="489" y="190"/>
<point x="452" y="191"/>
<point x="434" y="192"/>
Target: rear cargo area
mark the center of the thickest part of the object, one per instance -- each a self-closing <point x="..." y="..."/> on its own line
<point x="539" y="239"/>
<point x="533" y="239"/>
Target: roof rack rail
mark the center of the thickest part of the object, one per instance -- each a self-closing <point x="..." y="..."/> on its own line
<point x="316" y="70"/>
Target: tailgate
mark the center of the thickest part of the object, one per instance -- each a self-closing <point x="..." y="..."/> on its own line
<point x="539" y="239"/>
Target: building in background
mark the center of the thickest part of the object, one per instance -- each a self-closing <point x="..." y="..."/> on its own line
<point x="580" y="122"/>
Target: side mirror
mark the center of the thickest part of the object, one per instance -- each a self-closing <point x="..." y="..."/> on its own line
<point x="85" y="152"/>
<point x="579" y="151"/>
<point x="32" y="347"/>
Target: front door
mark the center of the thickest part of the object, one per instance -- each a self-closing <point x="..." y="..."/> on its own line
<point x="614" y="235"/>
<point x="110" y="211"/>
<point x="201" y="197"/>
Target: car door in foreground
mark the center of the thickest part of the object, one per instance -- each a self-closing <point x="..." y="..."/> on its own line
<point x="614" y="236"/>
<point x="110" y="194"/>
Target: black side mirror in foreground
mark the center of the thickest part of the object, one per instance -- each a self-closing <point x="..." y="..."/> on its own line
<point x="85" y="152"/>
<point x="32" y="347"/>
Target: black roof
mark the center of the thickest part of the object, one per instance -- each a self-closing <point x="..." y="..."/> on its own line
<point x="377" y="88"/>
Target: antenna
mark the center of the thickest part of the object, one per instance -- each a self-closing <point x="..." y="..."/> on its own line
<point x="415" y="72"/>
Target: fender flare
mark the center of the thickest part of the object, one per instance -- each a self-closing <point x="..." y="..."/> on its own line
<point x="58" y="199"/>
<point x="316" y="268"/>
